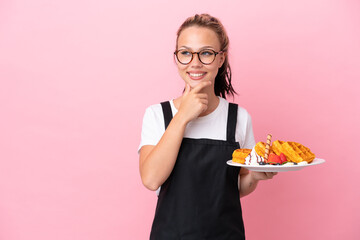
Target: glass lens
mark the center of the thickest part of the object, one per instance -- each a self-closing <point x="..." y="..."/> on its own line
<point x="184" y="56"/>
<point x="207" y="56"/>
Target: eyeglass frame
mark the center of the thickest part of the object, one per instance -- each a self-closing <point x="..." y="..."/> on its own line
<point x="192" y="56"/>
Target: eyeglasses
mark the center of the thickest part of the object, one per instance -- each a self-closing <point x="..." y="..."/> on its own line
<point x="206" y="56"/>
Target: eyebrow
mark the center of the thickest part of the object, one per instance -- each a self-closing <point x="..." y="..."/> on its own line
<point x="204" y="47"/>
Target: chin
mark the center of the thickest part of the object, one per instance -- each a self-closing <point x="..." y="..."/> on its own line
<point x="194" y="83"/>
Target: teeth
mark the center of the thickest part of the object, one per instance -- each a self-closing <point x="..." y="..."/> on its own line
<point x="196" y="74"/>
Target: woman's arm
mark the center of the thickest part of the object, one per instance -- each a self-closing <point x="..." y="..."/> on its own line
<point x="157" y="162"/>
<point x="248" y="180"/>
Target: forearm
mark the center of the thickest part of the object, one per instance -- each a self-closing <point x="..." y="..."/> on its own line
<point x="157" y="164"/>
<point x="247" y="184"/>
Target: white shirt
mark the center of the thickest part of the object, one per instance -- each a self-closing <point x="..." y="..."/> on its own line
<point x="211" y="126"/>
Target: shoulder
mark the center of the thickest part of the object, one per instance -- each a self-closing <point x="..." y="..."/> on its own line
<point x="153" y="119"/>
<point x="154" y="108"/>
<point x="242" y="112"/>
<point x="153" y="111"/>
<point x="153" y="126"/>
<point x="157" y="108"/>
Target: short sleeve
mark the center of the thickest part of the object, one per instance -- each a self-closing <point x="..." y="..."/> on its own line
<point x="249" y="136"/>
<point x="152" y="127"/>
<point x="244" y="129"/>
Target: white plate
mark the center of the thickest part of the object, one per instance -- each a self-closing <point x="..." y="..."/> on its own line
<point x="275" y="168"/>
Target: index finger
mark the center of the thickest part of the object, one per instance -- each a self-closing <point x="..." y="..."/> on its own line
<point x="200" y="86"/>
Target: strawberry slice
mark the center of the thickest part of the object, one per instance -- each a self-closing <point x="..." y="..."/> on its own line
<point x="282" y="158"/>
<point x="273" y="159"/>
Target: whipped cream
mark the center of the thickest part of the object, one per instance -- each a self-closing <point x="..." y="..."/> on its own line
<point x="253" y="158"/>
<point x="303" y="163"/>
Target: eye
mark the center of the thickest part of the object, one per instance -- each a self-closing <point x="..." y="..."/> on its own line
<point x="207" y="53"/>
<point x="185" y="52"/>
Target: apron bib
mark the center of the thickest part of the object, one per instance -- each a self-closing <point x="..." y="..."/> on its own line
<point x="200" y="199"/>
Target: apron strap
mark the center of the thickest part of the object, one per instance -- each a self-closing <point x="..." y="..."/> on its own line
<point x="167" y="113"/>
<point x="231" y="122"/>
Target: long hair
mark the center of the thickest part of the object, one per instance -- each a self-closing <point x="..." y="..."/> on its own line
<point x="223" y="85"/>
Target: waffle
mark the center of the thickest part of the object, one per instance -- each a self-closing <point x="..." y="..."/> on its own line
<point x="260" y="149"/>
<point x="294" y="152"/>
<point x="239" y="155"/>
<point x="277" y="147"/>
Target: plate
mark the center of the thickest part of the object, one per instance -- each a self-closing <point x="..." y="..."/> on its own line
<point x="275" y="168"/>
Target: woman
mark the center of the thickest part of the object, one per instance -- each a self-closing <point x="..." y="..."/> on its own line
<point x="186" y="142"/>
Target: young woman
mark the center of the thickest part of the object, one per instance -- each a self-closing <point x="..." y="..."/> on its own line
<point x="186" y="142"/>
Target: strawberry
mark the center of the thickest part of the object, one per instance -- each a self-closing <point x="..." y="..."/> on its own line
<point x="283" y="158"/>
<point x="273" y="159"/>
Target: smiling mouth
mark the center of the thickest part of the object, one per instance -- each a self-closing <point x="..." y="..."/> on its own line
<point x="196" y="76"/>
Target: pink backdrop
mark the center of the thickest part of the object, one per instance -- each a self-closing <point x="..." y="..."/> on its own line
<point x="76" y="77"/>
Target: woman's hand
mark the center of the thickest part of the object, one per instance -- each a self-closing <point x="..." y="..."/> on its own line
<point x="193" y="102"/>
<point x="248" y="180"/>
<point x="262" y="175"/>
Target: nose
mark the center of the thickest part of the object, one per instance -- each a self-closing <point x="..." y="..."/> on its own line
<point x="196" y="61"/>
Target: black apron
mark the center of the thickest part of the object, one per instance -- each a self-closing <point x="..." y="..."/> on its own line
<point x="200" y="199"/>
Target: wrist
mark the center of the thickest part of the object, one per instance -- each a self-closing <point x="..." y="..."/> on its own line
<point x="179" y="119"/>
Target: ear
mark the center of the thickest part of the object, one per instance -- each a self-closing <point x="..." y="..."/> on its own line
<point x="222" y="59"/>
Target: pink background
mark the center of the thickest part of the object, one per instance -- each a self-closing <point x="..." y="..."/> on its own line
<point x="76" y="77"/>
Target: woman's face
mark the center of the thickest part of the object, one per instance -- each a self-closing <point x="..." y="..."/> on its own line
<point x="195" y="39"/>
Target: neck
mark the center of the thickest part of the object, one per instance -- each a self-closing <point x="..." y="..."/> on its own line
<point x="212" y="105"/>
